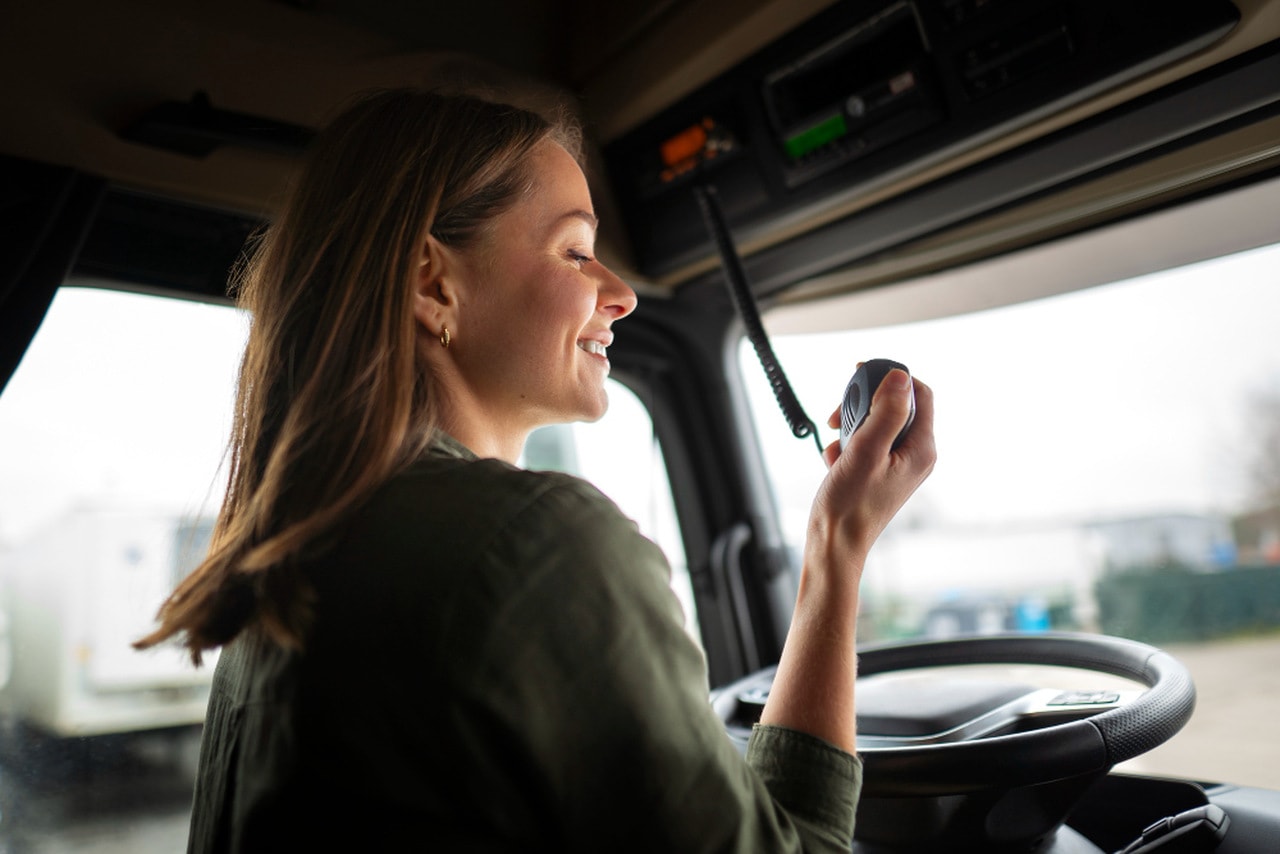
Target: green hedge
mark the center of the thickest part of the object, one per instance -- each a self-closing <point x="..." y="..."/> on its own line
<point x="1168" y="605"/>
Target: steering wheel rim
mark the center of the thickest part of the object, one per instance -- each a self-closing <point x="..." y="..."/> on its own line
<point x="1091" y="745"/>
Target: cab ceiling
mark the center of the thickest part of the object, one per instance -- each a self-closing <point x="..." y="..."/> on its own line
<point x="77" y="72"/>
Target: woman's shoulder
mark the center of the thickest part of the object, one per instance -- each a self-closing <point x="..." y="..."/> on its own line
<point x="493" y="487"/>
<point x="459" y="553"/>
<point x="464" y="505"/>
<point x="475" y="536"/>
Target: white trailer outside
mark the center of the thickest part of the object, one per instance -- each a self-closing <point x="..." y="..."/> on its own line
<point x="77" y="594"/>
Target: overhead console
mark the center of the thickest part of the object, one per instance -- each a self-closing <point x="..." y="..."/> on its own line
<point x="870" y="91"/>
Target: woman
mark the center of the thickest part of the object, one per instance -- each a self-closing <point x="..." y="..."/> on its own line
<point x="427" y="647"/>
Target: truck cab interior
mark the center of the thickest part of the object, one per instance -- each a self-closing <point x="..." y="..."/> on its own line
<point x="1064" y="215"/>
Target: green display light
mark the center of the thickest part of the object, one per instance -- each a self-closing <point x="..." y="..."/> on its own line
<point x="815" y="136"/>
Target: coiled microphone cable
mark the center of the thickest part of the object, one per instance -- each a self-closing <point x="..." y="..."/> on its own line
<point x="736" y="278"/>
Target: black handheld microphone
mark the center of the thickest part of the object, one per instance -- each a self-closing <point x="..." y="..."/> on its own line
<point x="857" y="398"/>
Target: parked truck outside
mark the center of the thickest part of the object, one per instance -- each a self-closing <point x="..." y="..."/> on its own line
<point x="75" y="595"/>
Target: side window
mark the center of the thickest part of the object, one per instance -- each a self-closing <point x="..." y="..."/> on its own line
<point x="112" y="433"/>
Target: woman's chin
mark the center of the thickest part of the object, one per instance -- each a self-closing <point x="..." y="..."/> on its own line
<point x="596" y="410"/>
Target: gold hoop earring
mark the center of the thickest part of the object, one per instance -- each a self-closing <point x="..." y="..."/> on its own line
<point x="445" y="337"/>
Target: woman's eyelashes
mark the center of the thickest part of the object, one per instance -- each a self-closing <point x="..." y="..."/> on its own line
<point x="580" y="258"/>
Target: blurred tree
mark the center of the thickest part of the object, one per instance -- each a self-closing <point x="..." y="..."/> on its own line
<point x="1264" y="459"/>
<point x="1258" y="531"/>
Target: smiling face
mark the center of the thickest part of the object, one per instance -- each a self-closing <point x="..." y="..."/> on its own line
<point x="532" y="318"/>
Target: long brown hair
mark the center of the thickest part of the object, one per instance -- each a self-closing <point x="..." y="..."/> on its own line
<point x="333" y="397"/>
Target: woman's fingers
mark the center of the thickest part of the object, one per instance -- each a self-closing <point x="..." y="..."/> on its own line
<point x="831" y="453"/>
<point x="919" y="443"/>
<point x="890" y="408"/>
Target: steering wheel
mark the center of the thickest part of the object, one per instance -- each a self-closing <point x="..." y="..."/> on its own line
<point x="1007" y="750"/>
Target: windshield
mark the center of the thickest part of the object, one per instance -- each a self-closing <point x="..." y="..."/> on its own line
<point x="1108" y="461"/>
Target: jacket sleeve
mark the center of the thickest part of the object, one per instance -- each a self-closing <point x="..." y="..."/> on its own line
<point x="600" y="699"/>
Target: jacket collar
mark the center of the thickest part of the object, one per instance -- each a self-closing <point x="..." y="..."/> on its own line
<point x="444" y="445"/>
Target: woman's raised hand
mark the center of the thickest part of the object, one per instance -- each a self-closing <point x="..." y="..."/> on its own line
<point x="869" y="482"/>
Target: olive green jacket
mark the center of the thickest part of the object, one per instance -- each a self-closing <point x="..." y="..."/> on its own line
<point x="497" y="664"/>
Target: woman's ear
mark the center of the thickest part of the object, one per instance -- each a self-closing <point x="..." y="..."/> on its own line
<point x="434" y="300"/>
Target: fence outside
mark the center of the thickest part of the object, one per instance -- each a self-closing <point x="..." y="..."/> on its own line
<point x="1173" y="604"/>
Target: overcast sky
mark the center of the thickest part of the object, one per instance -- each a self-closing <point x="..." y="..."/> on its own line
<point x="121" y="398"/>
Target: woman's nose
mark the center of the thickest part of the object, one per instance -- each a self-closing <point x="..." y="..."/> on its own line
<point x="617" y="299"/>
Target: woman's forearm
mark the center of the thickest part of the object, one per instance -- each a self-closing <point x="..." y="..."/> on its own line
<point x="813" y="689"/>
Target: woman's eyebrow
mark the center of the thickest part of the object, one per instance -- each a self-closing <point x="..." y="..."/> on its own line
<point x="586" y="216"/>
